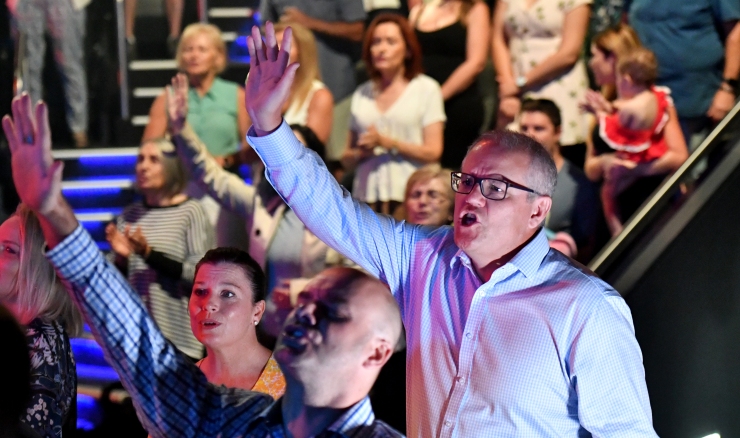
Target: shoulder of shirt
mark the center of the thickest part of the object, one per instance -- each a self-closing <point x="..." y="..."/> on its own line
<point x="588" y="282"/>
<point x="226" y="84"/>
<point x="423" y="79"/>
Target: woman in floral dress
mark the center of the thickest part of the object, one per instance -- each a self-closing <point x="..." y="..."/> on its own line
<point x="30" y="289"/>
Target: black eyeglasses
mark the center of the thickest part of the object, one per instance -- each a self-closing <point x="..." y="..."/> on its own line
<point x="491" y="188"/>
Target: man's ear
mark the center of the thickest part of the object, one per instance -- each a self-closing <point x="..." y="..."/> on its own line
<point x="540" y="208"/>
<point x="380" y="353"/>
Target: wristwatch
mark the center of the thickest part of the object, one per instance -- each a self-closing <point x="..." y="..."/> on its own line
<point x="521" y="81"/>
<point x="729" y="85"/>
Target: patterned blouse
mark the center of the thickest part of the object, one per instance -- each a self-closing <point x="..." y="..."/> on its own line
<point x="270" y="382"/>
<point x="53" y="378"/>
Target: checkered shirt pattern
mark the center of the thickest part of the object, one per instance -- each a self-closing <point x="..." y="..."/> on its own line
<point x="543" y="348"/>
<point x="171" y="395"/>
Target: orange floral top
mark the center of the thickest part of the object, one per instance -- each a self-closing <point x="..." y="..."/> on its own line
<point x="271" y="380"/>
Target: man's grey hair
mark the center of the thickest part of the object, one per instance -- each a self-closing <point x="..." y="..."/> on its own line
<point x="542" y="174"/>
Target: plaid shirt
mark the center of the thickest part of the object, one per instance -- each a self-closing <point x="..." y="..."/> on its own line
<point x="171" y="395"/>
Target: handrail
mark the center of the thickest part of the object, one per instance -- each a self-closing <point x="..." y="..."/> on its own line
<point x="122" y="59"/>
<point x="639" y="221"/>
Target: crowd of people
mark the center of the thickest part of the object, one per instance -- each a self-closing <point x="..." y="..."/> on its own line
<point x="424" y="241"/>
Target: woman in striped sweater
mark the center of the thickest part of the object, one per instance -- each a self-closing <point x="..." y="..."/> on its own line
<point x="158" y="241"/>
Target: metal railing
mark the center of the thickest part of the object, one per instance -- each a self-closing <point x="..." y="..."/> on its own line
<point x="655" y="206"/>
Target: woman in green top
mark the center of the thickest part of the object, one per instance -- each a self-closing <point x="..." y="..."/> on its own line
<point x="215" y="106"/>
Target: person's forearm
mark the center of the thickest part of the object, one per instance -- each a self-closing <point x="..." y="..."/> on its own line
<point x="502" y="60"/>
<point x="667" y="163"/>
<point x="164" y="265"/>
<point x="732" y="53"/>
<point x="57" y="222"/>
<point x="461" y="78"/>
<point x="549" y="69"/>
<point x="226" y="188"/>
<point x="424" y="152"/>
<point x="351" y="31"/>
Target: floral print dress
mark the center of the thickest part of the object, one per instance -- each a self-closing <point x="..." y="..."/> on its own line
<point x="53" y="378"/>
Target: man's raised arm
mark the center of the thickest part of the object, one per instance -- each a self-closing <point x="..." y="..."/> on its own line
<point x="172" y="397"/>
<point x="376" y="242"/>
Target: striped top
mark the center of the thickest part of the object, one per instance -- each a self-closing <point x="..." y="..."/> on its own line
<point x="182" y="233"/>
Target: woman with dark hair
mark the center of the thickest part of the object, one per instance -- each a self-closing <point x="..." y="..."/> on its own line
<point x="454" y="36"/>
<point x="32" y="292"/>
<point x="397" y="117"/>
<point x="158" y="241"/>
<point x="226" y="305"/>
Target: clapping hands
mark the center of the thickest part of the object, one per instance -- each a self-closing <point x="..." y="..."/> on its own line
<point x="127" y="242"/>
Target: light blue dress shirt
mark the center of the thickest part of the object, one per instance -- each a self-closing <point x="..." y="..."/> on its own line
<point x="543" y="348"/>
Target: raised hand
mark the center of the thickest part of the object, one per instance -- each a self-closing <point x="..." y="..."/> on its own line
<point x="270" y="78"/>
<point x="37" y="177"/>
<point x="177" y="103"/>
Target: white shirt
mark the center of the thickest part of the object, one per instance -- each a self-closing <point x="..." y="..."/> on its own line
<point x="383" y="177"/>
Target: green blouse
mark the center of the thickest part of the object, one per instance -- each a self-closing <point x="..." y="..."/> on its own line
<point x="214" y="117"/>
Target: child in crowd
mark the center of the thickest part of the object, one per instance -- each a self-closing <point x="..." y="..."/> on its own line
<point x="632" y="125"/>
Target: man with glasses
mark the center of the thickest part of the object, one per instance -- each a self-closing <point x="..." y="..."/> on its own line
<point x="505" y="336"/>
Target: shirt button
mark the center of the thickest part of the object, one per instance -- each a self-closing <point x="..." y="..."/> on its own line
<point x="448" y="423"/>
<point x="468" y="335"/>
<point x="461" y="379"/>
<point x="483" y="294"/>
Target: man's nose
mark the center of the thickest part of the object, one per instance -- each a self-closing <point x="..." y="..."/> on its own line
<point x="475" y="197"/>
<point x="305" y="314"/>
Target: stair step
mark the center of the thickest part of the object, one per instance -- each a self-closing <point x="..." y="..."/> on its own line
<point x="230" y="12"/>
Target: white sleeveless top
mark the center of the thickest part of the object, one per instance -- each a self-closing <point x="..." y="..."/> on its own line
<point x="298" y="114"/>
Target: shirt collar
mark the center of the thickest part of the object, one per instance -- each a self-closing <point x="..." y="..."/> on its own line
<point x="358" y="415"/>
<point x="527" y="260"/>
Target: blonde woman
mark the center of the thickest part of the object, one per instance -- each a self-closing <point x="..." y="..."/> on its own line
<point x="31" y="290"/>
<point x="216" y="106"/>
<point x="311" y="103"/>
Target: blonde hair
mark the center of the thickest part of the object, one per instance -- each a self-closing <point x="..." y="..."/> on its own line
<point x="175" y="175"/>
<point x="209" y="30"/>
<point x="39" y="291"/>
<point x="640" y="65"/>
<point x="308" y="57"/>
<point x="616" y="41"/>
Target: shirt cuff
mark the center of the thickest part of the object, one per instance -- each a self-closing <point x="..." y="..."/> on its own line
<point x="74" y="255"/>
<point x="277" y="148"/>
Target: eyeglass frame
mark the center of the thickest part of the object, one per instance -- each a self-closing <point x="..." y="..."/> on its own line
<point x="479" y="182"/>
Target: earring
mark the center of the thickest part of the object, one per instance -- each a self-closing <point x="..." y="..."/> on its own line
<point x="256" y="321"/>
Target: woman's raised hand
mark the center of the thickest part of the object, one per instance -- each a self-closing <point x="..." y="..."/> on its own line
<point x="118" y="241"/>
<point x="37" y="177"/>
<point x="177" y="103"/>
<point x="270" y="78"/>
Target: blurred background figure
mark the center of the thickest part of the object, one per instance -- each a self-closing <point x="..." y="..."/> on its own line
<point x="32" y="292"/>
<point x="174" y="10"/>
<point x="338" y="27"/>
<point x="14" y="381"/>
<point x="158" y="241"/>
<point x="397" y="117"/>
<point x="226" y="306"/>
<point x="454" y="38"/>
<point x="576" y="207"/>
<point x="64" y="22"/>
<point x="637" y="182"/>
<point x="429" y="197"/>
<point x="311" y="103"/>
<point x="215" y="112"/>
<point x="536" y="49"/>
<point x="697" y="43"/>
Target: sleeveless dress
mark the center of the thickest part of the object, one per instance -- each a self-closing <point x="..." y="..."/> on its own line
<point x="638" y="145"/>
<point x="443" y="51"/>
<point x="297" y="113"/>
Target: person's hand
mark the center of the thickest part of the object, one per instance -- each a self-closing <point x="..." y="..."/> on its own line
<point x="118" y="241"/>
<point x="721" y="105"/>
<point x="37" y="177"/>
<point x="370" y="139"/>
<point x="595" y="102"/>
<point x="620" y="174"/>
<point x="177" y="103"/>
<point x="137" y="241"/>
<point x="270" y="78"/>
<point x="508" y="89"/>
<point x="507" y="110"/>
<point x="291" y="15"/>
